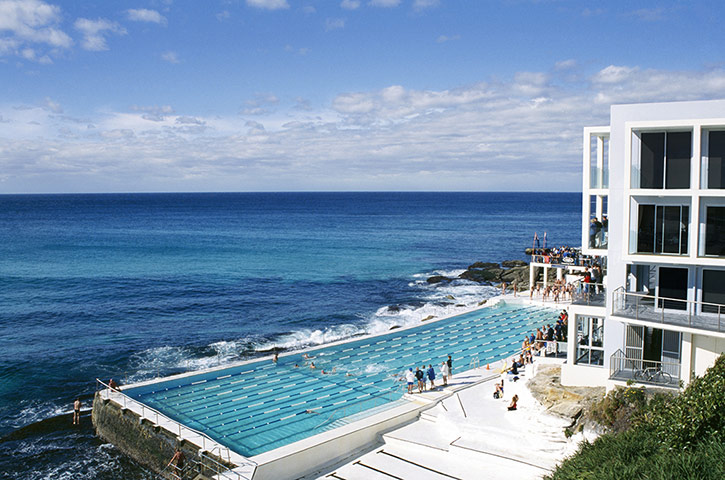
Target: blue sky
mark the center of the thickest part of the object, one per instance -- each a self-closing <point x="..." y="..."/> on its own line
<point x="267" y="95"/>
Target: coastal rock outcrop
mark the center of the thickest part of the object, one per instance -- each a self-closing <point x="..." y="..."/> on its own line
<point x="492" y="273"/>
<point x="566" y="402"/>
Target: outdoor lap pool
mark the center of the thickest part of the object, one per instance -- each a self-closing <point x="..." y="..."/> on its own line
<point x="259" y="406"/>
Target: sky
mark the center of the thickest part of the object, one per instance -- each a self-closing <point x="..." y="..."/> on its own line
<point x="339" y="95"/>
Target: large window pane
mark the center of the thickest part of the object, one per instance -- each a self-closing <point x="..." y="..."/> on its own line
<point x="645" y="229"/>
<point x="715" y="231"/>
<point x="713" y="289"/>
<point x="716" y="158"/>
<point x="679" y="151"/>
<point x="663" y="229"/>
<point x="652" y="160"/>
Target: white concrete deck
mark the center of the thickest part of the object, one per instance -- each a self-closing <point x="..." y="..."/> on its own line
<point x="468" y="435"/>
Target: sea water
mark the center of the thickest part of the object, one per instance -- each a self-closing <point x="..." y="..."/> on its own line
<point x="134" y="286"/>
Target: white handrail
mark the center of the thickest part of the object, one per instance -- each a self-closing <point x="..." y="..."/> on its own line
<point x="204" y="437"/>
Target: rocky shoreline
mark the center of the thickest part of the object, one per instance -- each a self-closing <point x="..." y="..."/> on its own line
<point x="492" y="273"/>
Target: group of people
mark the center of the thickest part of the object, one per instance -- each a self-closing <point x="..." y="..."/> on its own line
<point x="421" y="374"/>
<point x="537" y="341"/>
<point x="558" y="291"/>
<point x="598" y="232"/>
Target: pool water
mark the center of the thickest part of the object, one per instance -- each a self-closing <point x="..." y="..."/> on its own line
<point x="260" y="406"/>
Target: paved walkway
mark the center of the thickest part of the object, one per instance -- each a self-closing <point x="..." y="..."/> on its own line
<point x="468" y="435"/>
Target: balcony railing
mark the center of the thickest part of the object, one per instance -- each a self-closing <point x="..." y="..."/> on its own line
<point x="575" y="260"/>
<point x="668" y="311"/>
<point x="594" y="294"/>
<point x="649" y="372"/>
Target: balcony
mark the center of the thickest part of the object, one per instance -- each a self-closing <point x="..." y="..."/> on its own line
<point x="647" y="372"/>
<point x="593" y="294"/>
<point x="668" y="311"/>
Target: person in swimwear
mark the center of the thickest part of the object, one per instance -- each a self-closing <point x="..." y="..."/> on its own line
<point x="77" y="412"/>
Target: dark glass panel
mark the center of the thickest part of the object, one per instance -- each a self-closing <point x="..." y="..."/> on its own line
<point x="715" y="231"/>
<point x="684" y="231"/>
<point x="673" y="285"/>
<point x="713" y="290"/>
<point x="652" y="160"/>
<point x="645" y="229"/>
<point x="679" y="151"/>
<point x="659" y="223"/>
<point x="716" y="154"/>
<point x="671" y="236"/>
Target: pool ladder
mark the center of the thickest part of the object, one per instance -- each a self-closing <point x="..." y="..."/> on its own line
<point x="475" y="363"/>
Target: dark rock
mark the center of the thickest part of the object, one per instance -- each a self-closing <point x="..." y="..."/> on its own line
<point x="514" y="263"/>
<point x="438" y="279"/>
<point x="489" y="275"/>
<point x="484" y="265"/>
<point x="529" y="251"/>
<point x="394" y="327"/>
<point x="393" y="308"/>
<point x="429" y="317"/>
<point x="450" y="297"/>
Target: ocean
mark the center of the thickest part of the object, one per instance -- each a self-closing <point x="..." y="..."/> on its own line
<point x="131" y="286"/>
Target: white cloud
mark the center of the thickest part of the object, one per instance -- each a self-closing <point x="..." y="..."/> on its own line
<point x="154" y="113"/>
<point x="350" y="4"/>
<point x="446" y="38"/>
<point x="95" y="32"/>
<point x="503" y="134"/>
<point x="170" y="57"/>
<point x="31" y="22"/>
<point x="334" y="24"/>
<point x="423" y="4"/>
<point x="52" y="106"/>
<point x="145" y="15"/>
<point x="385" y="3"/>
<point x="268" y="4"/>
<point x="565" y="64"/>
<point x="649" y="14"/>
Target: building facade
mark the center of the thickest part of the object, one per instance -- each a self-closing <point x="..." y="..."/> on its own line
<point x="653" y="208"/>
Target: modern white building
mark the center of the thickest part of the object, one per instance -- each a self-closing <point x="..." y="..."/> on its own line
<point x="657" y="172"/>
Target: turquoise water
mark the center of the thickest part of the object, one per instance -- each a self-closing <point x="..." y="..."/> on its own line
<point x="259" y="406"/>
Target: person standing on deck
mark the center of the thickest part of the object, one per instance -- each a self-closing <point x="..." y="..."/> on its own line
<point x="421" y="379"/>
<point x="431" y="376"/>
<point x="450" y="367"/>
<point x="444" y="372"/>
<point x="410" y="378"/>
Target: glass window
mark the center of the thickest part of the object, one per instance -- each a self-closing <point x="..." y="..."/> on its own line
<point x="716" y="157"/>
<point x="590" y="340"/>
<point x="715" y="231"/>
<point x="663" y="229"/>
<point x="679" y="151"/>
<point x="665" y="160"/>
<point x="713" y="290"/>
<point x="652" y="160"/>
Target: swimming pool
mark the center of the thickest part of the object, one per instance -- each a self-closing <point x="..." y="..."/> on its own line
<point x="260" y="406"/>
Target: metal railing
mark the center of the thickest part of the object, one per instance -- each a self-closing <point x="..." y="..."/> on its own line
<point x="589" y="293"/>
<point x="207" y="444"/>
<point x="670" y="311"/>
<point x="638" y="370"/>
<point x="577" y="260"/>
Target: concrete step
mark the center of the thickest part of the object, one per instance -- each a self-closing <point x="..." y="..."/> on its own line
<point x="402" y="467"/>
<point x="421" y="435"/>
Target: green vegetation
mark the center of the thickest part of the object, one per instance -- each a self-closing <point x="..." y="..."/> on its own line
<point x="660" y="437"/>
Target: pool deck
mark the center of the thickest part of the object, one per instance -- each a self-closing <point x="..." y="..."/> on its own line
<point x="468" y="435"/>
<point x="431" y="416"/>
